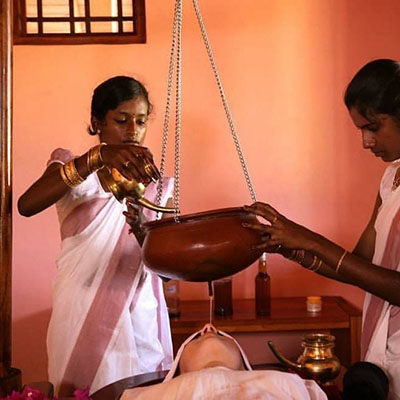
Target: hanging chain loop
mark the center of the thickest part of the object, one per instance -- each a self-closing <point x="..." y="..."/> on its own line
<point x="176" y="25"/>
<point x="176" y="56"/>
<point x="224" y="102"/>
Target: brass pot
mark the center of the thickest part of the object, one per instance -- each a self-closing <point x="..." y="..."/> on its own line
<point x="121" y="187"/>
<point x="201" y="247"/>
<point x="317" y="361"/>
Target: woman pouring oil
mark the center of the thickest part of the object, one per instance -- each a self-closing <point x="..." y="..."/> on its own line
<point x="109" y="318"/>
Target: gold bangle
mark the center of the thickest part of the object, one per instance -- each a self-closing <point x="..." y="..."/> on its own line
<point x="339" y="264"/>
<point x="297" y="256"/>
<point x="94" y="160"/>
<point x="99" y="154"/>
<point x="315" y="259"/>
<point x="318" y="266"/>
<point x="300" y="256"/>
<point x="292" y="255"/>
<point x="88" y="163"/>
<point x="72" y="173"/>
<point x="64" y="177"/>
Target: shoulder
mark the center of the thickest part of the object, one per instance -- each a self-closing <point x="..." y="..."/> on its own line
<point x="61" y="156"/>
<point x="387" y="179"/>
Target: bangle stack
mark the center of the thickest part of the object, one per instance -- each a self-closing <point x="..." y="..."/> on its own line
<point x="299" y="257"/>
<point x="70" y="175"/>
<point x="315" y="265"/>
<point x="94" y="161"/>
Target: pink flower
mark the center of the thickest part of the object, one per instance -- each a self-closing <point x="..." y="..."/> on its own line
<point x="27" y="394"/>
<point x="34" y="394"/>
<point x="82" y="394"/>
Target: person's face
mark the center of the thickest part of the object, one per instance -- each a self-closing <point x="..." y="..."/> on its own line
<point x="210" y="350"/>
<point x="127" y="124"/>
<point x="380" y="134"/>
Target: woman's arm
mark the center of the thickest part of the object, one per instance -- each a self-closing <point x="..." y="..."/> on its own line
<point x="381" y="282"/>
<point x="365" y="248"/>
<point x="43" y="193"/>
<point x="130" y="160"/>
<point x="355" y="269"/>
<point x="135" y="218"/>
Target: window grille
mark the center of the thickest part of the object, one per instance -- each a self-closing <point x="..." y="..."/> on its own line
<point x="79" y="21"/>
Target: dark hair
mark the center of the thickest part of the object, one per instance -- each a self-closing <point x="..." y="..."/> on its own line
<point x="114" y="91"/>
<point x="365" y="381"/>
<point x="375" y="88"/>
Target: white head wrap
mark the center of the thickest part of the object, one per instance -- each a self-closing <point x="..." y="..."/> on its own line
<point x="175" y="364"/>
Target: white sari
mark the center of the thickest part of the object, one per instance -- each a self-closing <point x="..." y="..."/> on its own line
<point x="109" y="318"/>
<point x="380" y="342"/>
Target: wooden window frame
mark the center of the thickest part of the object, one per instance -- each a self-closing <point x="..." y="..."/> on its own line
<point x="138" y="36"/>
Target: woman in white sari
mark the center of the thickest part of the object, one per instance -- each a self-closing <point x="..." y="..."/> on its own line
<point x="373" y="101"/>
<point x="109" y="318"/>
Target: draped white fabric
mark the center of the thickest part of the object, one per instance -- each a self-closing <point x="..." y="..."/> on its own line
<point x="220" y="383"/>
<point x="109" y="318"/>
<point x="384" y="345"/>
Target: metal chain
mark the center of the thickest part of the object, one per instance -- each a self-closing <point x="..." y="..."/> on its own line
<point x="225" y="102"/>
<point x="168" y="104"/>
<point x="176" y="55"/>
<point x="178" y="113"/>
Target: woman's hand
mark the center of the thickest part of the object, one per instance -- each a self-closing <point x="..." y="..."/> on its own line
<point x="134" y="162"/>
<point x="281" y="235"/>
<point x="135" y="219"/>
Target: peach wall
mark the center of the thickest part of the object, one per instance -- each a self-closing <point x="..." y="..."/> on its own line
<point x="284" y="65"/>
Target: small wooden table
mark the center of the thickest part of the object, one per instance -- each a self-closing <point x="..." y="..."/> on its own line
<point x="288" y="314"/>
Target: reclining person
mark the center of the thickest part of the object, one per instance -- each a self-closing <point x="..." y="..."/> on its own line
<point x="211" y="365"/>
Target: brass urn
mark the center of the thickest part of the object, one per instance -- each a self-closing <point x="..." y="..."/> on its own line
<point x="317" y="362"/>
<point x="121" y="187"/>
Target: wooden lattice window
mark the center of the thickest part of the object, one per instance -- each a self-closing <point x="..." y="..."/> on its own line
<point x="79" y="21"/>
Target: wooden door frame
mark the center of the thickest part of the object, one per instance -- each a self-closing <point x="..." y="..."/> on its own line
<point x="10" y="378"/>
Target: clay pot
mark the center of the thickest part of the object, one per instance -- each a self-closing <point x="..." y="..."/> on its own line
<point x="202" y="247"/>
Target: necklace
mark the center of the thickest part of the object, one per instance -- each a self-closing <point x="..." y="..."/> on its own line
<point x="396" y="180"/>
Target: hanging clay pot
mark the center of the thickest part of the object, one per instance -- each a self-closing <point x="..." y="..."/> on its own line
<point x="201" y="247"/>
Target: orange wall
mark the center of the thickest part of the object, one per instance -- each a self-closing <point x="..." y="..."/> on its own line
<point x="284" y="65"/>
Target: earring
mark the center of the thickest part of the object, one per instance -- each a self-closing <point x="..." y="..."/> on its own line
<point x="98" y="130"/>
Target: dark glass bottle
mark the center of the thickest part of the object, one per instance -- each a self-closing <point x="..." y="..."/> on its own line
<point x="263" y="287"/>
<point x="223" y="296"/>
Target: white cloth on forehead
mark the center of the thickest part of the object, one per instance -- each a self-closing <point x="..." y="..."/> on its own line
<point x="175" y="364"/>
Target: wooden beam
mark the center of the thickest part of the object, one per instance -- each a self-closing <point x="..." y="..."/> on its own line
<point x="5" y="212"/>
<point x="10" y="378"/>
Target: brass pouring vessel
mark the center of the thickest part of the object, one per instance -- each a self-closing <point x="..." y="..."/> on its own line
<point x="317" y="362"/>
<point x="121" y="187"/>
